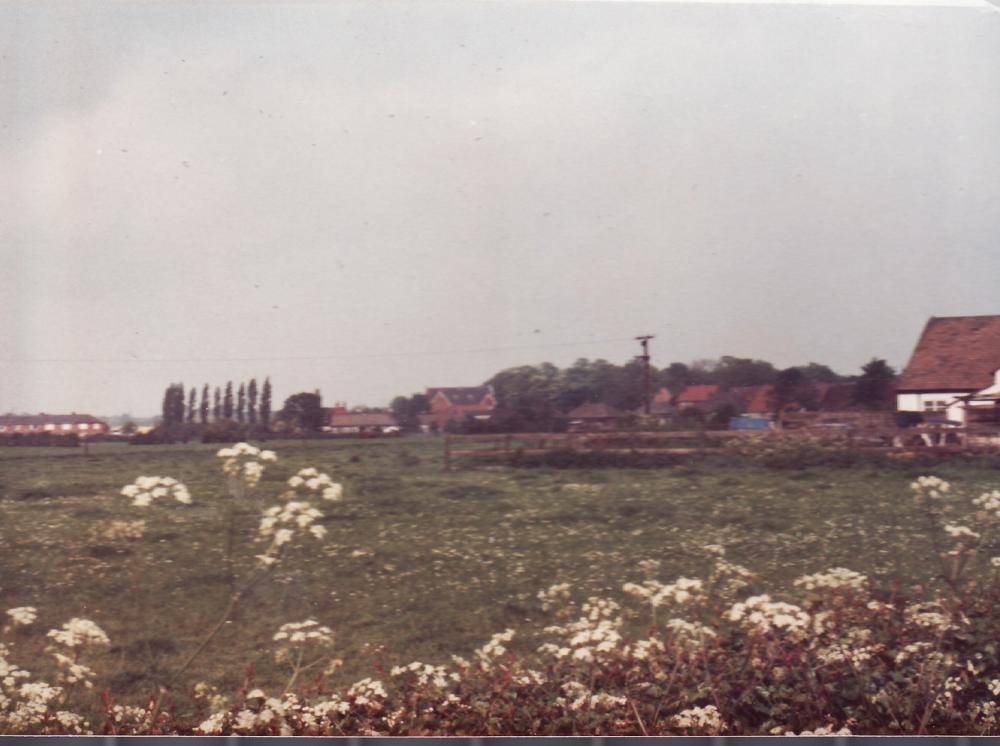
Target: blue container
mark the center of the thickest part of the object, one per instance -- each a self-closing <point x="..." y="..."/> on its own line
<point x="749" y="423"/>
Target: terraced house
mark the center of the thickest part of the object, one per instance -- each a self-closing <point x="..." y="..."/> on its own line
<point x="83" y="425"/>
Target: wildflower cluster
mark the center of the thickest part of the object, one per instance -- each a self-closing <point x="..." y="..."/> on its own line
<point x="706" y="719"/>
<point x="494" y="648"/>
<point x="553" y="595"/>
<point x="837" y="577"/>
<point x="294" y="633"/>
<point x="313" y="480"/>
<point x="22" y="615"/>
<point x="930" y="488"/>
<point x="680" y="592"/>
<point x="79" y="632"/>
<point x="147" y="489"/>
<point x="595" y="633"/>
<point x="39" y="707"/>
<point x="123" y="531"/>
<point x="280" y="523"/>
<point x="763" y="615"/>
<point x="245" y="462"/>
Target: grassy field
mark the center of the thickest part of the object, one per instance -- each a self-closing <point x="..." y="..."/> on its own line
<point x="419" y="563"/>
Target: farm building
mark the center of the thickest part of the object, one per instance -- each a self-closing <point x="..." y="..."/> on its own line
<point x="83" y="425"/>
<point x="956" y="358"/>
<point x="456" y="403"/>
<point x="362" y="423"/>
<point x="593" y="416"/>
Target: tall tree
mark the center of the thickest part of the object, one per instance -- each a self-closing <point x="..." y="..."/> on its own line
<point x="265" y="403"/>
<point x="874" y="387"/>
<point x="203" y="409"/>
<point x="178" y="404"/>
<point x="241" y="402"/>
<point x="792" y="387"/>
<point x="167" y="412"/>
<point x="227" y="401"/>
<point x="192" y="404"/>
<point x="252" y="401"/>
<point x="733" y="372"/>
<point x="304" y="411"/>
<point x="818" y="373"/>
<point x="217" y="405"/>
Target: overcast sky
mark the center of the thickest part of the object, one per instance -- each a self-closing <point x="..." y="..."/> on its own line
<point x="372" y="198"/>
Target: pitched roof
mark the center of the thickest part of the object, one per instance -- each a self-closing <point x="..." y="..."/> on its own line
<point x="50" y="419"/>
<point x="954" y="352"/>
<point x="663" y="395"/>
<point x="363" y="419"/>
<point x="699" y="393"/>
<point x="756" y="399"/>
<point x="462" y="395"/>
<point x="594" y="411"/>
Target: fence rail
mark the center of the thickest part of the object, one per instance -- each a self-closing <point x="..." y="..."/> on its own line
<point x="510" y="446"/>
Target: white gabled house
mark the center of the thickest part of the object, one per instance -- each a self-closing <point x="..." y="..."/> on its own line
<point x="956" y="360"/>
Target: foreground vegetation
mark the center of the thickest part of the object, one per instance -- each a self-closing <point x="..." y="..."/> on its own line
<point x="672" y="600"/>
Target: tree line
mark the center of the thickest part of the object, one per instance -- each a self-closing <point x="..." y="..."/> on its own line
<point x="251" y="405"/>
<point x="537" y="397"/>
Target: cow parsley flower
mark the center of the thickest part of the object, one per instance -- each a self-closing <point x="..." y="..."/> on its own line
<point x="313" y="480"/>
<point x="79" y="632"/>
<point x="23" y="615"/>
<point x="145" y="490"/>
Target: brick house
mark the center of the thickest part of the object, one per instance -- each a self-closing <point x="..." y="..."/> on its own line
<point x="698" y="396"/>
<point x="83" y="425"/>
<point x="455" y="403"/>
<point x="955" y="357"/>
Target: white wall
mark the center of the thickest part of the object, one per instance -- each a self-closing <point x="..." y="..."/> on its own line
<point x="915" y="403"/>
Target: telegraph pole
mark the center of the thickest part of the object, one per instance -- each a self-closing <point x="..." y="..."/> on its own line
<point x="644" y="341"/>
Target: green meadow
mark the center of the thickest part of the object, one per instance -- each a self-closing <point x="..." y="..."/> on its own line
<point x="419" y="563"/>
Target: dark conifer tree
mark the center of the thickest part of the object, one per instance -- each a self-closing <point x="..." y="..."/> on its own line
<point x="227" y="401"/>
<point x="265" y="403"/>
<point x="178" y="404"/>
<point x="217" y="405"/>
<point x="203" y="409"/>
<point x="241" y="402"/>
<point x="167" y="412"/>
<point x="252" y="401"/>
<point x="192" y="404"/>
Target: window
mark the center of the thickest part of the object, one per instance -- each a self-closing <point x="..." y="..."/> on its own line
<point x="84" y="426"/>
<point x="66" y="427"/>
<point x="50" y="427"/>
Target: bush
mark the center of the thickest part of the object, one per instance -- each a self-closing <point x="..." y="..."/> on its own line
<point x="45" y="439"/>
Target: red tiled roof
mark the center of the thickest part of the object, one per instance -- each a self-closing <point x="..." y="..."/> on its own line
<point x="363" y="419"/>
<point x="462" y="395"/>
<point x="663" y="395"/>
<point x="699" y="393"/>
<point x="50" y="419"/>
<point x="954" y="353"/>
<point x="758" y="399"/>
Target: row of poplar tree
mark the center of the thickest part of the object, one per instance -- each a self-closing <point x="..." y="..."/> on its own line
<point x="250" y="404"/>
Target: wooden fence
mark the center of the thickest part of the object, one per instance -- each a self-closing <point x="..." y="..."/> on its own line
<point x="508" y="447"/>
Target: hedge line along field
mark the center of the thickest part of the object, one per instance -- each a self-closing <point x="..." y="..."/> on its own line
<point x="418" y="563"/>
